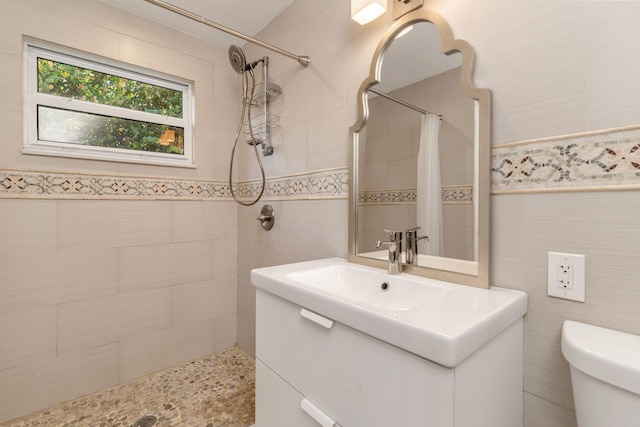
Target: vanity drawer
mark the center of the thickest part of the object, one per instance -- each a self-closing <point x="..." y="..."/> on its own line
<point x="359" y="380"/>
<point x="279" y="405"/>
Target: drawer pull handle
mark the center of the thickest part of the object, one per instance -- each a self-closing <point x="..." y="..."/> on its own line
<point x="315" y="413"/>
<point x="322" y="321"/>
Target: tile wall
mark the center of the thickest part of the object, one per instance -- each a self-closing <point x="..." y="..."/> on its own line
<point x="125" y="269"/>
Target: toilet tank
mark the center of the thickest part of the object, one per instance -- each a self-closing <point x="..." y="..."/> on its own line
<point x="605" y="374"/>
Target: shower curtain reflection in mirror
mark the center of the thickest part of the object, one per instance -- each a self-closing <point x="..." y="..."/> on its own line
<point x="429" y="188"/>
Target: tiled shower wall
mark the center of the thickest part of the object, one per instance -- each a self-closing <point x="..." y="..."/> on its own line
<point x="97" y="291"/>
<point x="555" y="68"/>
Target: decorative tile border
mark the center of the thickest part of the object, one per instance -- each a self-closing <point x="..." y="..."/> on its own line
<point x="55" y="185"/>
<point x="326" y="184"/>
<point x="450" y="195"/>
<point x="457" y="195"/>
<point x="585" y="161"/>
<point x="387" y="197"/>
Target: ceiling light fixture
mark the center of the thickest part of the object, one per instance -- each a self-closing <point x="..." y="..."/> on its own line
<point x="365" y="11"/>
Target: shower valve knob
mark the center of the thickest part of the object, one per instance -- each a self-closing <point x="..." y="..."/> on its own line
<point x="267" y="217"/>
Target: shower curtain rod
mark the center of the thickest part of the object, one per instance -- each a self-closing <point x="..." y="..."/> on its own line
<point x="303" y="60"/>
<point x="401" y="102"/>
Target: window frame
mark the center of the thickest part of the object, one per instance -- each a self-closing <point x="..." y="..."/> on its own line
<point x="34" y="49"/>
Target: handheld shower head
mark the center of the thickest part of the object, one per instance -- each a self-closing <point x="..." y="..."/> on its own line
<point x="237" y="59"/>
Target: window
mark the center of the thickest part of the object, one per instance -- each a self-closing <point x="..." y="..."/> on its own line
<point x="79" y="105"/>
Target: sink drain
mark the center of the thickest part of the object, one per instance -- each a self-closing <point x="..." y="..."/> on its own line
<point x="147" y="421"/>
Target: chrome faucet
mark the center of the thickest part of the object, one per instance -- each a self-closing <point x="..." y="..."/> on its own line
<point x="395" y="250"/>
<point x="412" y="245"/>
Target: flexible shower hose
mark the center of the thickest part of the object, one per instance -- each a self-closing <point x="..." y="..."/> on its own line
<point x="246" y="107"/>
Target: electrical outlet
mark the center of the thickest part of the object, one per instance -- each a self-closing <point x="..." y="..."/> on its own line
<point x="565" y="277"/>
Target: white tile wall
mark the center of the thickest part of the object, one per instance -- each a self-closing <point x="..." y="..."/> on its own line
<point x="27" y="227"/>
<point x="87" y="324"/>
<point x="144" y="311"/>
<point x="195" y="301"/>
<point x="96" y="224"/>
<point x="11" y="93"/>
<point x="152" y="266"/>
<point x="8" y="119"/>
<point x="194" y="221"/>
<point x="614" y="67"/>
<point x="39" y="279"/>
<point x="27" y="335"/>
<point x="42" y="383"/>
<point x="225" y="329"/>
<point x="154" y="351"/>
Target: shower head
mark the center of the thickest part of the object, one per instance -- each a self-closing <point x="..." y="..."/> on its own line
<point x="237" y="59"/>
<point x="239" y="62"/>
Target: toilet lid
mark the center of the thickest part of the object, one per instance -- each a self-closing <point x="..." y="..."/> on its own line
<point x="610" y="356"/>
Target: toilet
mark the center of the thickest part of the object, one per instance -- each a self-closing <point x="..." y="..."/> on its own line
<point x="605" y="375"/>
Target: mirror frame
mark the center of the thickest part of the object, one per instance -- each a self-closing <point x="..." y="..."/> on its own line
<point x="446" y="268"/>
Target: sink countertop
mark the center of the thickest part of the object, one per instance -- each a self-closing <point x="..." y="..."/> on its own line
<point x="444" y="330"/>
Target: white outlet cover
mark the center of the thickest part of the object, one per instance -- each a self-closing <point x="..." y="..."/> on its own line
<point x="554" y="289"/>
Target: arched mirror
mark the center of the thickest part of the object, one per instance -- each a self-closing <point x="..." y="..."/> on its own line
<point x="421" y="155"/>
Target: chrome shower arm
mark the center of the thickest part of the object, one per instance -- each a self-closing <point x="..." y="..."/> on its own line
<point x="302" y="60"/>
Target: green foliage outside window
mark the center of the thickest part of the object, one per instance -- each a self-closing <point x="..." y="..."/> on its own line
<point x="55" y="78"/>
<point x="73" y="127"/>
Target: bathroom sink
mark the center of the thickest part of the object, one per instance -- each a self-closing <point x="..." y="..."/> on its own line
<point x="439" y="321"/>
<point x="370" y="288"/>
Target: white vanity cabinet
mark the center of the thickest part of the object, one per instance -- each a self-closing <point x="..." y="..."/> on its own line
<point x="314" y="371"/>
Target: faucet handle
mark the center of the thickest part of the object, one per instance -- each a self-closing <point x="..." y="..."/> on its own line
<point x="412" y="235"/>
<point x="392" y="244"/>
<point x="394" y="235"/>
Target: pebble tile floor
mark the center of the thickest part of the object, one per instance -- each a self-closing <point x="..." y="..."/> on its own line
<point x="215" y="391"/>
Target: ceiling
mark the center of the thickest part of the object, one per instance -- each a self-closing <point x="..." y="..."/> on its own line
<point x="245" y="16"/>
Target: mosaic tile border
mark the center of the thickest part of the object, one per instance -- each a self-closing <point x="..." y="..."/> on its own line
<point x="323" y="184"/>
<point x="606" y="159"/>
<point x="462" y="194"/>
<point x="457" y="195"/>
<point x="326" y="184"/>
<point x="387" y="197"/>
